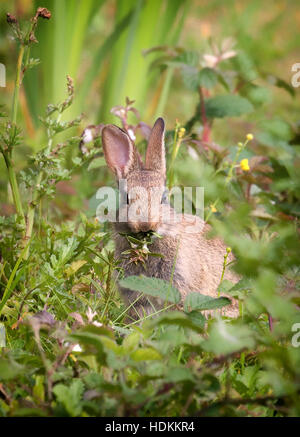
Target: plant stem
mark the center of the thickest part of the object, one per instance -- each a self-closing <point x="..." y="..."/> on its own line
<point x="228" y="250"/>
<point x="178" y="136"/>
<point x="17" y="85"/>
<point x="7" y="154"/>
<point x="14" y="186"/>
<point x="30" y="214"/>
<point x="205" y="122"/>
<point x="174" y="153"/>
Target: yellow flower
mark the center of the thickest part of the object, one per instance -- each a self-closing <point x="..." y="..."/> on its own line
<point x="181" y="132"/>
<point x="244" y="164"/>
<point x="249" y="137"/>
<point x="213" y="208"/>
<point x="73" y="358"/>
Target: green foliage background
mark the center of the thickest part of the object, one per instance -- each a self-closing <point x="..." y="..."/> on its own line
<point x="220" y="70"/>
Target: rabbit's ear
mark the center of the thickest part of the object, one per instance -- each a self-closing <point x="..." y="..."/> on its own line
<point x="119" y="151"/>
<point x="155" y="155"/>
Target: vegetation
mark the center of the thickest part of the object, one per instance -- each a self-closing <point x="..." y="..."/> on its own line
<point x="68" y="348"/>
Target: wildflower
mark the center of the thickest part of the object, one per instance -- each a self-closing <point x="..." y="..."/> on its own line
<point x="244" y="164"/>
<point x="181" y="132"/>
<point x="249" y="137"/>
<point x="98" y="324"/>
<point x="77" y="348"/>
<point x="213" y="208"/>
<point x="228" y="249"/>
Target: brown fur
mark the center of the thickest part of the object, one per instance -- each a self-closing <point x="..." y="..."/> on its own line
<point x="194" y="261"/>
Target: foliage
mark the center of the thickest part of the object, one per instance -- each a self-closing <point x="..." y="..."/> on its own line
<point x="70" y="350"/>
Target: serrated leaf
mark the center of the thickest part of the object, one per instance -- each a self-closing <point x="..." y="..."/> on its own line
<point x="197" y="301"/>
<point x="71" y="396"/>
<point x="227" y="105"/>
<point x="208" y="77"/>
<point x="190" y="58"/>
<point x="154" y="287"/>
<point x="197" y="318"/>
<point x="190" y="77"/>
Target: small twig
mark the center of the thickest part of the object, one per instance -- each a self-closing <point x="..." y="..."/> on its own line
<point x="205" y="122"/>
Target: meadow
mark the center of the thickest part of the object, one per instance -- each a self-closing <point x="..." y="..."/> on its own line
<point x="224" y="77"/>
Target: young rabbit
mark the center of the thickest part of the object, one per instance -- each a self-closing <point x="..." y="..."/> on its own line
<point x="193" y="261"/>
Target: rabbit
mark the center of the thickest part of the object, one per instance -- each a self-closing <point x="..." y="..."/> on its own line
<point x="193" y="261"/>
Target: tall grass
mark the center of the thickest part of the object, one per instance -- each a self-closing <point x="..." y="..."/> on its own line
<point x="153" y="23"/>
<point x="60" y="51"/>
<point x="117" y="65"/>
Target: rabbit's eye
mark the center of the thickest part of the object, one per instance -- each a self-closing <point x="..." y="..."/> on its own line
<point x="164" y="198"/>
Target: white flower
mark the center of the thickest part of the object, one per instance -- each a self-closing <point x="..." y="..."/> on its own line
<point x="210" y="60"/>
<point x="98" y="324"/>
<point x="77" y="348"/>
<point x="87" y="136"/>
<point x="90" y="314"/>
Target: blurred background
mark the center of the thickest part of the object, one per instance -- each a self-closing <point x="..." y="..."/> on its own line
<point x="149" y="50"/>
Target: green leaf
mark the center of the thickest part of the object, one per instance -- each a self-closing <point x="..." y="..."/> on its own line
<point x="97" y="163"/>
<point x="198" y="301"/>
<point x="245" y="66"/>
<point x="93" y="337"/>
<point x="153" y="287"/>
<point x="179" y="374"/>
<point x="225" y="286"/>
<point x="131" y="342"/>
<point x="208" y="78"/>
<point x="75" y="265"/>
<point x="227" y="105"/>
<point x="280" y="83"/>
<point x="176" y="318"/>
<point x="225" y="338"/>
<point x="9" y="370"/>
<point x="71" y="396"/>
<point x="197" y="318"/>
<point x="277" y="127"/>
<point x="190" y="77"/>
<point x="190" y="58"/>
<point x="146" y="354"/>
<point x="258" y="94"/>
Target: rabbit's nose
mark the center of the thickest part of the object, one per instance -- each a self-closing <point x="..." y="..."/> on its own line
<point x="143" y="226"/>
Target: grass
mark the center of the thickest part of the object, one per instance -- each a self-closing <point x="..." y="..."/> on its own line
<point x="70" y="348"/>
